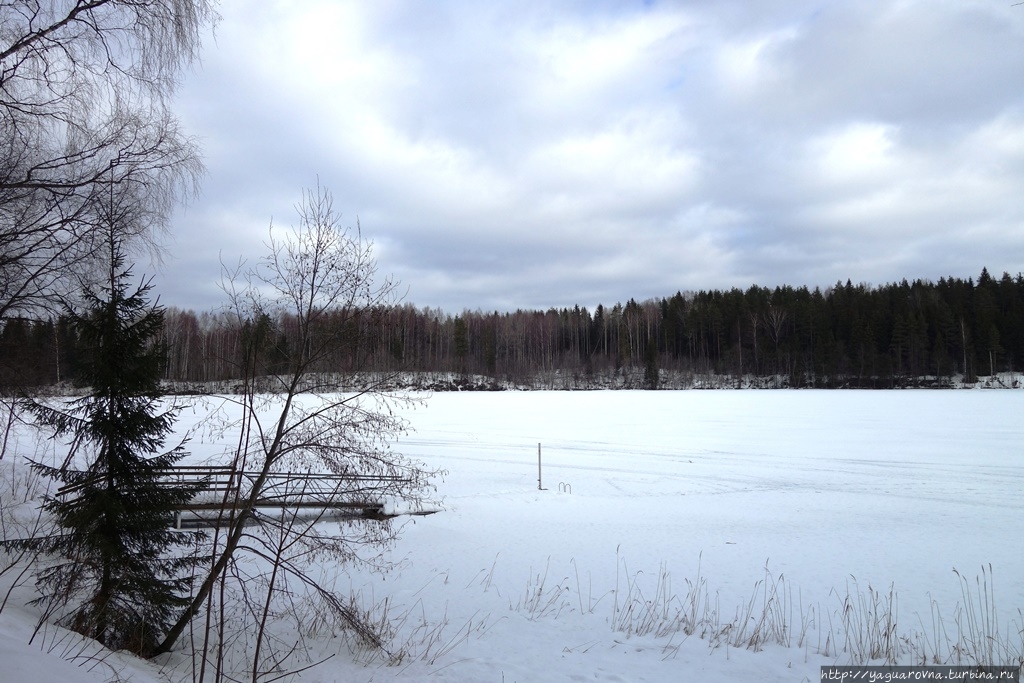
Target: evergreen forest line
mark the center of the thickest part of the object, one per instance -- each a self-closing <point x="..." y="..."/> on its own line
<point x="899" y="334"/>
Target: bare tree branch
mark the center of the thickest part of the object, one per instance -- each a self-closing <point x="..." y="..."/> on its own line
<point x="85" y="87"/>
<point x="311" y="273"/>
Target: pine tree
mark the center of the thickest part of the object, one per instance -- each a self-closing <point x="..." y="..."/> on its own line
<point x="117" y="572"/>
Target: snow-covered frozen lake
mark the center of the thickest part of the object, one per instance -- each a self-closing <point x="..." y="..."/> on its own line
<point x="818" y="495"/>
<point x="834" y="491"/>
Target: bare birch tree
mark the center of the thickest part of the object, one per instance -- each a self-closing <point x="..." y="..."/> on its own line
<point x="323" y="276"/>
<point x="84" y="116"/>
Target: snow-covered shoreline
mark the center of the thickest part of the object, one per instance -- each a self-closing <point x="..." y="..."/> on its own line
<point x="623" y="380"/>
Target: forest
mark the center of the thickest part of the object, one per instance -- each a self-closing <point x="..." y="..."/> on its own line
<point x="898" y="334"/>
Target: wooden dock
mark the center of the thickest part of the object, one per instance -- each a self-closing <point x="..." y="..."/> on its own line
<point x="227" y="488"/>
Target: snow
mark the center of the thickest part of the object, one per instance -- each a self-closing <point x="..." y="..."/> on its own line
<point x="790" y="503"/>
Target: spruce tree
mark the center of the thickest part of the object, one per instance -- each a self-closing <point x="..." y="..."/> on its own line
<point x="117" y="571"/>
<point x="651" y="364"/>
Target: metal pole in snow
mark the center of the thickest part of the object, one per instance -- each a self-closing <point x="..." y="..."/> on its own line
<point x="539" y="488"/>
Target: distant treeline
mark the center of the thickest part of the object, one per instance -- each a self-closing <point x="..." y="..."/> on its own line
<point x="845" y="335"/>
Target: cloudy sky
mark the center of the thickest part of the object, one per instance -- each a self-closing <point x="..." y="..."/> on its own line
<point x="505" y="155"/>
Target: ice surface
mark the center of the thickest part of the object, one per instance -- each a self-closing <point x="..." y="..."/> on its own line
<point x="831" y="491"/>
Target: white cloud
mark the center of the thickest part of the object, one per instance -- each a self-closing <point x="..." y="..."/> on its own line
<point x="857" y="154"/>
<point x="513" y="154"/>
<point x="746" y="66"/>
<point x="634" y="165"/>
<point x="596" y="63"/>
